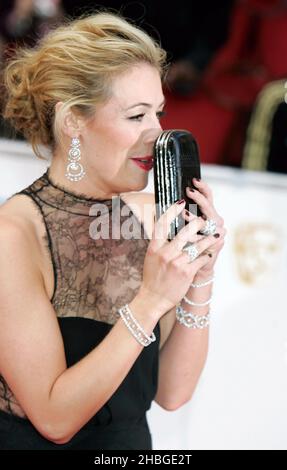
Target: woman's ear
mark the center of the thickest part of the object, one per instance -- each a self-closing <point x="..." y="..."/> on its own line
<point x="71" y="124"/>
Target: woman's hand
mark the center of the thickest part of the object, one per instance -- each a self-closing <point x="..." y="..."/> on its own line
<point x="167" y="270"/>
<point x="202" y="196"/>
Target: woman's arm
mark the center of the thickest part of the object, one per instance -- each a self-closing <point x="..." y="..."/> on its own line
<point x="57" y="400"/>
<point x="183" y="355"/>
<point x="183" y="350"/>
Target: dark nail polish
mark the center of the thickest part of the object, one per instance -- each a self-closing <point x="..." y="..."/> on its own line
<point x="210" y="255"/>
<point x="190" y="189"/>
<point x="197" y="179"/>
<point x="187" y="213"/>
<point x="216" y="235"/>
<point x="180" y="202"/>
<point x="203" y="216"/>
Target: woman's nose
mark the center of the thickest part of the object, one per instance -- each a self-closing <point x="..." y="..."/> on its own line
<point x="150" y="135"/>
<point x="149" y="138"/>
<point x="157" y="124"/>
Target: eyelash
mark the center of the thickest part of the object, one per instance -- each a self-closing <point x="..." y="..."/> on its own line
<point x="138" y="117"/>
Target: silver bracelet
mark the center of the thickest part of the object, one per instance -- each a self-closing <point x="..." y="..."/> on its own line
<point x="196" y="304"/>
<point x="190" y="320"/>
<point x="203" y="284"/>
<point x="136" y="330"/>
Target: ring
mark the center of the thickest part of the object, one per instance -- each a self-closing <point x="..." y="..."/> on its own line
<point x="209" y="228"/>
<point x="192" y="252"/>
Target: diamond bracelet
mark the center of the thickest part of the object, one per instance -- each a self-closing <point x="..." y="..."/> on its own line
<point x="203" y="284"/>
<point x="190" y="320"/>
<point x="197" y="304"/>
<point x="134" y="327"/>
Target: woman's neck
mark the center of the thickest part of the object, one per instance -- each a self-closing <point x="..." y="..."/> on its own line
<point x="86" y="185"/>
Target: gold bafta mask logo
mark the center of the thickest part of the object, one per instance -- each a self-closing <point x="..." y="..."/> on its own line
<point x="257" y="247"/>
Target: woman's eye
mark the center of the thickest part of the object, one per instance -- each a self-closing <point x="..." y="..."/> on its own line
<point x="161" y="114"/>
<point x="138" y="117"/>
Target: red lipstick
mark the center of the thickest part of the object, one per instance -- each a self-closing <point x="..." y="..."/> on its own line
<point x="146" y="163"/>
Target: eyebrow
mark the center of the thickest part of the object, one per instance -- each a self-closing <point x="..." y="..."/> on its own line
<point x="148" y="105"/>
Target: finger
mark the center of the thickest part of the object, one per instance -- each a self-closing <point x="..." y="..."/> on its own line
<point x="174" y="248"/>
<point x="204" y="204"/>
<point x="221" y="235"/>
<point x="204" y="245"/>
<point x="203" y="188"/>
<point x="162" y="225"/>
<point x="185" y="235"/>
<point x="191" y="269"/>
<point x="198" y="263"/>
<point x="207" y="243"/>
<point x="218" y="245"/>
<point x="188" y="216"/>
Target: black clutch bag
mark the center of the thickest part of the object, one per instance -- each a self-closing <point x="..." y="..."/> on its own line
<point x="176" y="162"/>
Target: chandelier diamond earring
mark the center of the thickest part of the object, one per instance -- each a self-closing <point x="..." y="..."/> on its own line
<point x="75" y="170"/>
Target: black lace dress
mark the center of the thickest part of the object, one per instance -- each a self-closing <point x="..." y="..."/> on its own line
<point x="97" y="248"/>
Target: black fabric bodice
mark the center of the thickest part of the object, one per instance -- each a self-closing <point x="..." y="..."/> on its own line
<point x="97" y="248"/>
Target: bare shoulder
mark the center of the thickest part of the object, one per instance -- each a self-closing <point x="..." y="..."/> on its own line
<point x="17" y="236"/>
<point x="16" y="203"/>
<point x="13" y="226"/>
<point x="22" y="229"/>
<point x="20" y="218"/>
<point x="17" y="260"/>
<point x="18" y="249"/>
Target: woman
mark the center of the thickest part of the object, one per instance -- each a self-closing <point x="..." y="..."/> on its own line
<point x="88" y="331"/>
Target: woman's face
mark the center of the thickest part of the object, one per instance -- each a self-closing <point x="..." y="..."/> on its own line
<point x="123" y="129"/>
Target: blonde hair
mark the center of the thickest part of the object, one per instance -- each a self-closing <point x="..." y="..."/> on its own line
<point x="75" y="64"/>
